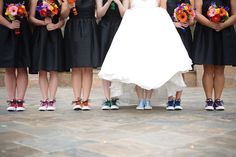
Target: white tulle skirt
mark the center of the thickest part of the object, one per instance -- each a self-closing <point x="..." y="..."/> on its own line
<point x="146" y="51"/>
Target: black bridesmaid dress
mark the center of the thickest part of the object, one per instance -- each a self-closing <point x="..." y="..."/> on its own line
<point x="47" y="47"/>
<point x="15" y="49"/>
<point x="108" y="26"/>
<point x="210" y="46"/>
<point x="185" y="34"/>
<point x="81" y="37"/>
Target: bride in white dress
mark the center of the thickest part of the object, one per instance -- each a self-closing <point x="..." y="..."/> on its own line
<point x="147" y="50"/>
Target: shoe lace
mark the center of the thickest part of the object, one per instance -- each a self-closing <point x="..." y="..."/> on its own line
<point x="177" y="102"/>
<point x="76" y="102"/>
<point x="20" y="102"/>
<point x="84" y="103"/>
<point x="51" y="103"/>
<point x="115" y="101"/>
<point x="107" y="103"/>
<point x="170" y="103"/>
<point x="11" y="102"/>
<point x="219" y="102"/>
<point x="43" y="103"/>
<point x="209" y="102"/>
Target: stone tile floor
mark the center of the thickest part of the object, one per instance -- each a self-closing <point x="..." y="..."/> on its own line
<point x="127" y="132"/>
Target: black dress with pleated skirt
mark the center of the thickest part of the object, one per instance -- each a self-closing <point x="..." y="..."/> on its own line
<point x="108" y="26"/>
<point x="81" y="36"/>
<point x="15" y="49"/>
<point x="47" y="47"/>
<point x="185" y="34"/>
<point x="210" y="46"/>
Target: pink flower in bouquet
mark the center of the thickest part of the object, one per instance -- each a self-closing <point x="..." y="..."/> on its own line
<point x="13" y="9"/>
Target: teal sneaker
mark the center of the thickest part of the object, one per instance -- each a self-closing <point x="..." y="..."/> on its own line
<point x="106" y="105"/>
<point x="114" y="104"/>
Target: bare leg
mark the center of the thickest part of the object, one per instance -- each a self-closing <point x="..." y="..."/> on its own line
<point x="139" y="92"/>
<point x="148" y="95"/>
<point x="76" y="79"/>
<point x="208" y="80"/>
<point x="219" y="81"/>
<point x="53" y="83"/>
<point x="87" y="80"/>
<point x="43" y="84"/>
<point x="106" y="88"/>
<point x="22" y="82"/>
<point x="10" y="82"/>
<point x="178" y="95"/>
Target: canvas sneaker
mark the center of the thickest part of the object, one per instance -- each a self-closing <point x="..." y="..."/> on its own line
<point x="209" y="106"/>
<point x="218" y="105"/>
<point x="12" y="105"/>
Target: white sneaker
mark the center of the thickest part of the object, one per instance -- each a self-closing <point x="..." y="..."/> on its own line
<point x="86" y="108"/>
<point x="141" y="105"/>
<point x="148" y="105"/>
<point x="77" y="107"/>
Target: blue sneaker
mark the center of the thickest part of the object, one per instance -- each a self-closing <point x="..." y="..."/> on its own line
<point x="141" y="105"/>
<point x="148" y="105"/>
<point x="170" y="105"/>
<point x="178" y="105"/>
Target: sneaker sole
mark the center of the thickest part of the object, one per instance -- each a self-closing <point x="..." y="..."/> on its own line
<point x="220" y="109"/>
<point x="209" y="109"/>
<point x="114" y="108"/>
<point x="85" y="109"/>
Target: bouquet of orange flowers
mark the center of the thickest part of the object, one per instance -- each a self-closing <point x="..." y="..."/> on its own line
<point x="16" y="12"/>
<point x="47" y="8"/>
<point x="217" y="14"/>
<point x="184" y="13"/>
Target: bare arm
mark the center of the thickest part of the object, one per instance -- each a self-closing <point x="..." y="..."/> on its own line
<point x="3" y="21"/>
<point x="65" y="9"/>
<point x="232" y="19"/>
<point x="102" y="9"/>
<point x="192" y="22"/>
<point x="61" y="22"/>
<point x="163" y="4"/>
<point x="122" y="6"/>
<point x="32" y="15"/>
<point x="202" y="19"/>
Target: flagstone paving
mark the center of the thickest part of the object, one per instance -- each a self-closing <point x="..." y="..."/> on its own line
<point x="127" y="132"/>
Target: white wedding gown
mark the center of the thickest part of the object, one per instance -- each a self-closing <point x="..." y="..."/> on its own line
<point x="147" y="50"/>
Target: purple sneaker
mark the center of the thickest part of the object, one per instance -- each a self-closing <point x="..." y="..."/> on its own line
<point x="51" y="105"/>
<point x="209" y="105"/>
<point x="43" y="105"/>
